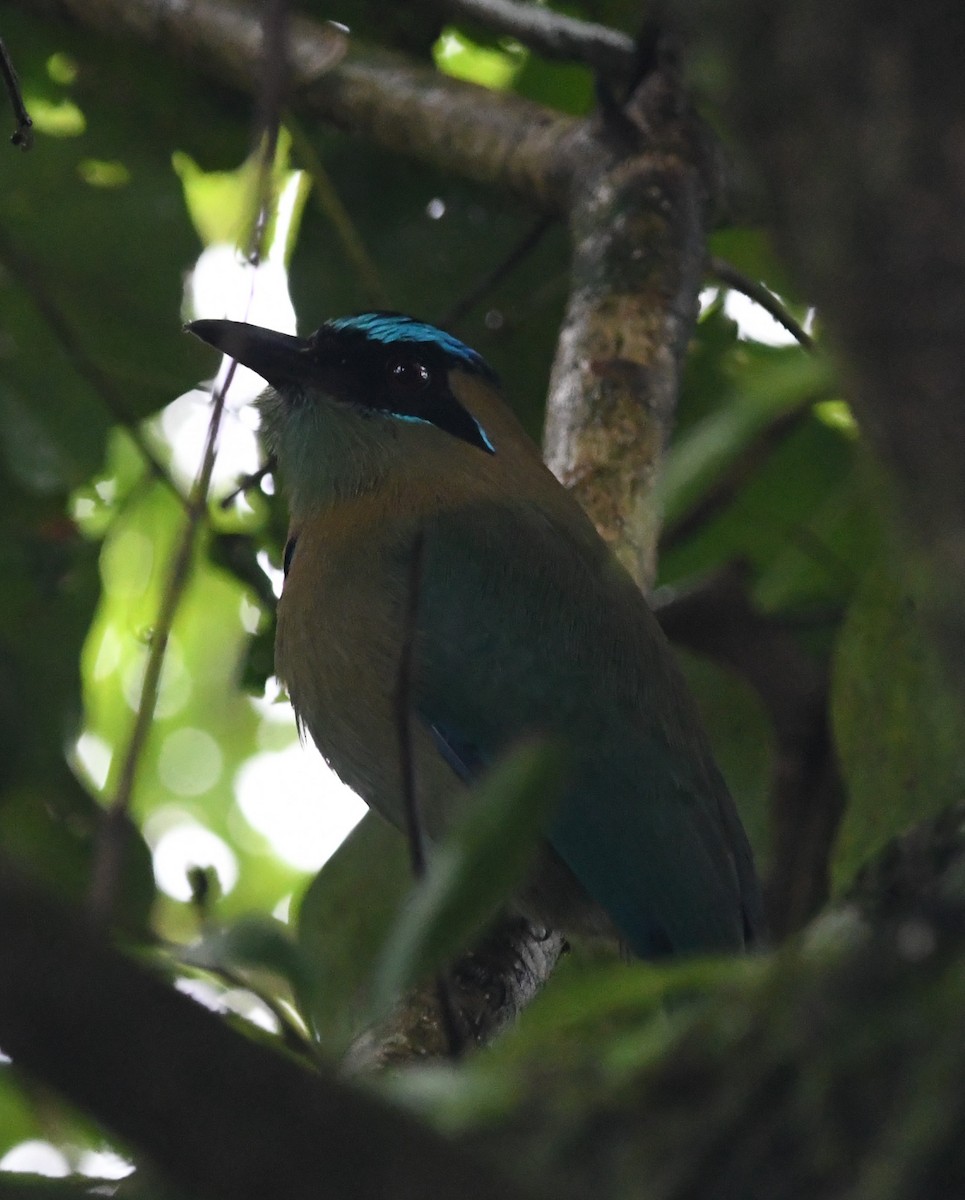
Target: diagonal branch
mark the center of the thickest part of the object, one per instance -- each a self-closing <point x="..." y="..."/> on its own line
<point x="729" y="275"/>
<point x="489" y="137"/>
<point x="222" y="1115"/>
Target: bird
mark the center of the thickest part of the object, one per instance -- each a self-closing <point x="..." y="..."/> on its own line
<point x="388" y="431"/>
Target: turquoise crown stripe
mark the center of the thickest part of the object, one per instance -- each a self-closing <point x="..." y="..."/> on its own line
<point x="392" y="327"/>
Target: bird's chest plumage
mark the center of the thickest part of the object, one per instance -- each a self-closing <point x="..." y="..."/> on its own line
<point x="341" y="629"/>
<point x="340" y="635"/>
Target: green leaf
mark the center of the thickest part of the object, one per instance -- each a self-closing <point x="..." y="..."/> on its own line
<point x="896" y="722"/>
<point x="489" y="66"/>
<point x="19" y="1119"/>
<point x="474" y="870"/>
<point x="223" y="205"/>
<point x="255" y="942"/>
<point x="788" y="382"/>
<point x="343" y="922"/>
<point x="89" y="252"/>
<point x="803" y="523"/>
<point x="742" y="738"/>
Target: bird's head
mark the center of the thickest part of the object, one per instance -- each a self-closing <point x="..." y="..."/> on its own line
<point x="361" y="396"/>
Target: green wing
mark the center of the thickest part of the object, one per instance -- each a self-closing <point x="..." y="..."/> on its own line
<point x="528" y="629"/>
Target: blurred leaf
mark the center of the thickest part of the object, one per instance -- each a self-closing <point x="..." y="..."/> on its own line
<point x="803" y="523"/>
<point x="489" y="66"/>
<point x="19" y="1119"/>
<point x="253" y="943"/>
<point x="471" y="874"/>
<point x="343" y="922"/>
<point x="621" y="997"/>
<point x="791" y="503"/>
<point x="206" y="727"/>
<point x="223" y="205"/>
<point x="742" y="738"/>
<point x="47" y="819"/>
<point x="897" y="724"/>
<point x="90" y="251"/>
<point x="597" y="1029"/>
<point x="49" y="592"/>
<point x="697" y="458"/>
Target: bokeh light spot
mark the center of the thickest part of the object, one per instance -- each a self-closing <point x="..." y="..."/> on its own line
<point x="191" y="845"/>
<point x="190" y="762"/>
<point x="298" y="804"/>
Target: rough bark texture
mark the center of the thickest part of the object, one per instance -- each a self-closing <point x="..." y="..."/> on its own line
<point x="638" y="216"/>
<point x="826" y="1073"/>
<point x="488" y="988"/>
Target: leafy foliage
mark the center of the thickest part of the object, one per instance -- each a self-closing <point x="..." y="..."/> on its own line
<point x="136" y="160"/>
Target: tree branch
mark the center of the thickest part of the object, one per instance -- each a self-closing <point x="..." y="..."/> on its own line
<point x="637" y="188"/>
<point x="490" y="987"/>
<point x="638" y="218"/>
<point x="729" y="275"/>
<point x="221" y="1115"/>
<point x="490" y="137"/>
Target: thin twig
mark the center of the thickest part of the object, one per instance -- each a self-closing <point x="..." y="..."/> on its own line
<point x="551" y="34"/>
<point x="25" y="271"/>
<point x="728" y="274"/>
<point x="112" y="834"/>
<point x="414" y="827"/>
<point x="247" y="483"/>
<point x="527" y="243"/>
<point x="23" y="134"/>
<point x="290" y="1033"/>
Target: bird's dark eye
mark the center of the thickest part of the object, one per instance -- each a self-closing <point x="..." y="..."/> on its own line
<point x="407" y="376"/>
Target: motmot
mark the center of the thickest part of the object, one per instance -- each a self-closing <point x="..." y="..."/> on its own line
<point x="387" y="431"/>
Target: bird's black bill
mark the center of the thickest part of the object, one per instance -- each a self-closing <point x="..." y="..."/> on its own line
<point x="278" y="358"/>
